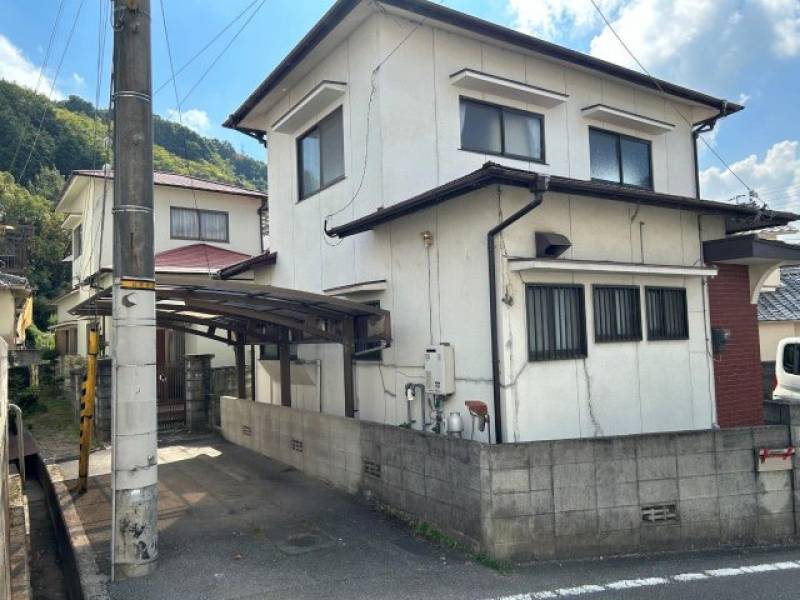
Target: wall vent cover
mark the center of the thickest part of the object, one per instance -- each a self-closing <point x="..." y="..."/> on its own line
<point x="297" y="445"/>
<point x="246" y="430"/>
<point x="372" y="468"/>
<point x="657" y="513"/>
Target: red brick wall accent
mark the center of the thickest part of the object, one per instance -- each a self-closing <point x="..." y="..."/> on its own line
<point x="737" y="370"/>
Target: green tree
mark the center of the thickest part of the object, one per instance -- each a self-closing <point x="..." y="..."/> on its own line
<point x="47" y="183"/>
<point x="48" y="243"/>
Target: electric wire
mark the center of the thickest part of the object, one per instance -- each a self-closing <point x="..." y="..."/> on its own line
<point x="206" y="47"/>
<point x="52" y="89"/>
<point x="39" y="78"/>
<point x="655" y="81"/>
<point x="373" y="87"/>
<point x="221" y="53"/>
<point x="180" y="121"/>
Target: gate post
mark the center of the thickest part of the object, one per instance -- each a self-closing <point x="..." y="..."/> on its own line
<point x="198" y="391"/>
<point x="102" y="418"/>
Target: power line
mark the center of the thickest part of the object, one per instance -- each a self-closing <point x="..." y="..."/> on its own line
<point x="661" y="89"/>
<point x="39" y="78"/>
<point x="373" y="87"/>
<point x="206" y="47"/>
<point x="180" y="121"/>
<point x="222" y="52"/>
<point x="52" y="89"/>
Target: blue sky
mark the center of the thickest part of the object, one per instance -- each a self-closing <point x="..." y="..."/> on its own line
<point x="744" y="50"/>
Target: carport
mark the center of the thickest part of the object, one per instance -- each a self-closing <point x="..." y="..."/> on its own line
<point x="241" y="314"/>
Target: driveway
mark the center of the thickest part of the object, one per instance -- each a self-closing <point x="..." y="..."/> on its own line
<point x="234" y="525"/>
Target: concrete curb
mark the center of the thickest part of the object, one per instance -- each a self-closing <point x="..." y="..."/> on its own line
<point x="76" y="550"/>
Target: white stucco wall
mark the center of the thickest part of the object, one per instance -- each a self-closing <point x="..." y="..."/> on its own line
<point x="7" y="316"/>
<point x="411" y="146"/>
<point x="243" y="223"/>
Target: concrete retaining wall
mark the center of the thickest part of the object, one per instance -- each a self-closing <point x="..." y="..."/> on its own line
<point x="541" y="500"/>
<point x="5" y="525"/>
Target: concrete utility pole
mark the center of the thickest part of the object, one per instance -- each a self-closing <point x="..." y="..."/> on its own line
<point x="135" y="472"/>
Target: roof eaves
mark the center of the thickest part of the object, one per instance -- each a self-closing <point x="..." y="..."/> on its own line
<point x="266" y="258"/>
<point x="430" y="10"/>
<point x="492" y="173"/>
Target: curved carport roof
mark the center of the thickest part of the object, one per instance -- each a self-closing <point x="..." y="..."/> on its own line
<point x="240" y="314"/>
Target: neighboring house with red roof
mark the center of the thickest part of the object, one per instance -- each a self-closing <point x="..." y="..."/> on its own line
<point x="201" y="227"/>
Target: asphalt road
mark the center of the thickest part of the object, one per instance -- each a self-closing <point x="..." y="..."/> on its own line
<point x="235" y="525"/>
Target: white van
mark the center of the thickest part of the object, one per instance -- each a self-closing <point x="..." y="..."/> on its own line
<point x="787" y="370"/>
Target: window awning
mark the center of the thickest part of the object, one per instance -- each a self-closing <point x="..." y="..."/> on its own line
<point x="246" y="313"/>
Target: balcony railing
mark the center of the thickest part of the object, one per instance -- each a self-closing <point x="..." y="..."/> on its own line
<point x="14" y="248"/>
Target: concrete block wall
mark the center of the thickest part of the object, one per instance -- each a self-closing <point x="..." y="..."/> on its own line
<point x="589" y="497"/>
<point x="544" y="500"/>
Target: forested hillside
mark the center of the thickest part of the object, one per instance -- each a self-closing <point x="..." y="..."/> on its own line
<point x="33" y="168"/>
<point x="71" y="138"/>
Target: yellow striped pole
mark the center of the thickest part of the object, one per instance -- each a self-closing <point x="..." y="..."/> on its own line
<point x="87" y="408"/>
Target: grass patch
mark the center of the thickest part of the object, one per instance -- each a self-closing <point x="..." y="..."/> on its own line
<point x="427" y="531"/>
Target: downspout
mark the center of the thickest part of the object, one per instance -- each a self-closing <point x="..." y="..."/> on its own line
<point x="704" y="126"/>
<point x="537" y="189"/>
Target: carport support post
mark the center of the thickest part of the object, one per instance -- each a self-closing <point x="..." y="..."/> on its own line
<point x="134" y="481"/>
<point x="241" y="380"/>
<point x="348" y="334"/>
<point x="285" y="356"/>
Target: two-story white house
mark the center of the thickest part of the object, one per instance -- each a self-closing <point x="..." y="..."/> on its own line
<point x="200" y="227"/>
<point x="534" y="208"/>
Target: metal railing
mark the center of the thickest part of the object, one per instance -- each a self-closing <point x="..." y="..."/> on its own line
<point x="14" y="248"/>
<point x="20" y="439"/>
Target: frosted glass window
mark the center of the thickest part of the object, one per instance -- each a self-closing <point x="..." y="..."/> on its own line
<point x="320" y="155"/>
<point x="620" y="158"/>
<point x="604" y="156"/>
<point x="635" y="162"/>
<point x="213" y="226"/>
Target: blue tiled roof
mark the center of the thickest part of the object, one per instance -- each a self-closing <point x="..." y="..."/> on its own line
<point x="784" y="303"/>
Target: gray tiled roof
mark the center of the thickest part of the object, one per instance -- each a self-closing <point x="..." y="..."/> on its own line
<point x="7" y="280"/>
<point x="784" y="303"/>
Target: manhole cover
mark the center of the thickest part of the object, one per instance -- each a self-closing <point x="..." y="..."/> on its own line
<point x="303" y="540"/>
<point x="300" y="543"/>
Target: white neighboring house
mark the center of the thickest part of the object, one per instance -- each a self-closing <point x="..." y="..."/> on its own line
<point x="382" y="123"/>
<point x="200" y="227"/>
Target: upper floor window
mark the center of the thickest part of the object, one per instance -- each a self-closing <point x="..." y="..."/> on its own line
<point x="320" y="155"/>
<point x="77" y="241"/>
<point x="500" y="130"/>
<point x="620" y="158"/>
<point x="195" y="224"/>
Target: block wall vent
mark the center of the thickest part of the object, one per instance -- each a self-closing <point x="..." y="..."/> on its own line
<point x="297" y="445"/>
<point x="372" y="468"/>
<point x="246" y="430"/>
<point x="658" y="513"/>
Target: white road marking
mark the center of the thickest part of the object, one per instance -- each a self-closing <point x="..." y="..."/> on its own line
<point x="625" y="584"/>
<point x="689" y="577"/>
<point x="577" y="591"/>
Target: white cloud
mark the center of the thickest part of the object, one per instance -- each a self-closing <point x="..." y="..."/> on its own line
<point x="550" y="19"/>
<point x="14" y="66"/>
<point x="785" y="20"/>
<point x="195" y="119"/>
<point x="743" y="98"/>
<point x="776" y="178"/>
<point x="78" y="80"/>
<point x="698" y="42"/>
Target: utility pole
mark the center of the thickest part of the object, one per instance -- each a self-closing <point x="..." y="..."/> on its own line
<point x="134" y="469"/>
